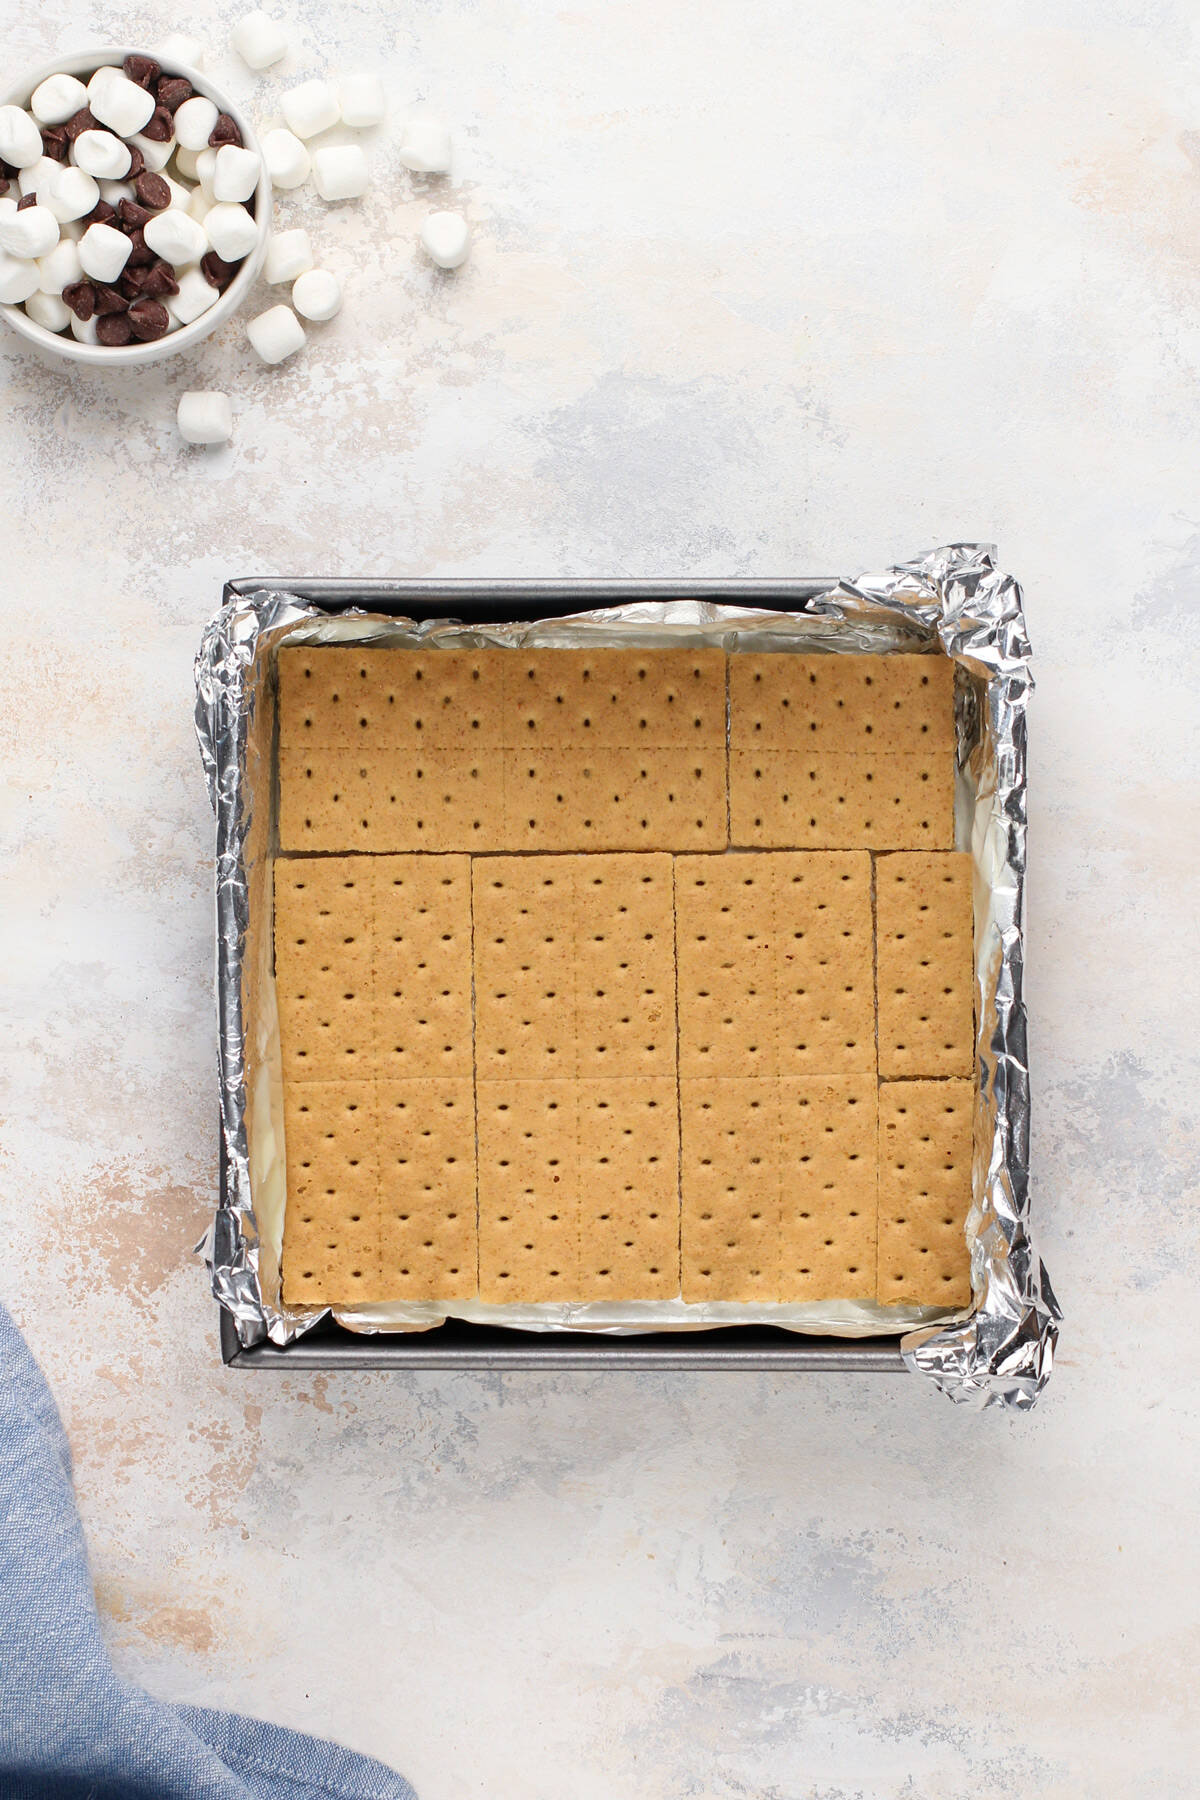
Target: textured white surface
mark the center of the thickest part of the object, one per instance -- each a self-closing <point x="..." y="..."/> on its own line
<point x="754" y="289"/>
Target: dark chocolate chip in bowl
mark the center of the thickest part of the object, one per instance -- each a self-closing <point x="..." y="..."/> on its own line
<point x="80" y="296"/>
<point x="3" y="184"/>
<point x="153" y="192"/>
<point x="158" y="281"/>
<point x="101" y="214"/>
<point x="142" y="69"/>
<point x="113" y="329"/>
<point x="140" y="255"/>
<point x="172" y="91"/>
<point x="216" y="271"/>
<point x="137" y="162"/>
<point x="225" y="131"/>
<point x="159" y="126"/>
<point x="133" y="216"/>
<point x="108" y="300"/>
<point x="26" y="200"/>
<point x="80" y="122"/>
<point x="133" y="282"/>
<point x="54" y="143"/>
<point x="149" y="319"/>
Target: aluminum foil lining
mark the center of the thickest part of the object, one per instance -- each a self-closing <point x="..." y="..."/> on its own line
<point x="1001" y="1350"/>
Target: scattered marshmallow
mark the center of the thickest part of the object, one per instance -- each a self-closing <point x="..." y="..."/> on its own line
<point x="310" y="108"/>
<point x="205" y="418"/>
<point x="194" y="122"/>
<point x="20" y="139"/>
<point x="103" y="252"/>
<point x="84" y="329"/>
<point x="200" y="204"/>
<point x="100" y="153"/>
<point x="289" y="253"/>
<point x="288" y="162"/>
<point x="18" y="279"/>
<point x="36" y="179"/>
<point x="235" y="172"/>
<point x="179" y="48"/>
<point x="113" y="192"/>
<point x="341" y="172"/>
<point x="30" y="232"/>
<point x="180" y="195"/>
<point x="425" y="145"/>
<point x="276" y="334"/>
<point x="317" y="294"/>
<point x="195" y="296"/>
<point x="185" y="163"/>
<point x="50" y="310"/>
<point x="206" y="169"/>
<point x="232" y="231"/>
<point x="118" y="102"/>
<point x="61" y="268"/>
<point x="259" y="40"/>
<point x="57" y="99"/>
<point x="155" y="155"/>
<point x="362" y="101"/>
<point x="176" y="237"/>
<point x="446" y="237"/>
<point x="73" y="193"/>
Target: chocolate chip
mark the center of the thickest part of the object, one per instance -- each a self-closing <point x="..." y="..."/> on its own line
<point x="80" y="122"/>
<point x="109" y="300"/>
<point x="142" y="69"/>
<point x="3" y="184"/>
<point x="158" y="281"/>
<point x="153" y="192"/>
<point x="149" y="319"/>
<point x="216" y="271"/>
<point x="101" y="214"/>
<point x="159" y="127"/>
<point x="133" y="282"/>
<point x="113" y="329"/>
<point x="140" y="255"/>
<point x="54" y="143"/>
<point x="225" y="131"/>
<point x="81" y="298"/>
<point x="26" y="200"/>
<point x="172" y="91"/>
<point x="137" y="162"/>
<point x="133" y="217"/>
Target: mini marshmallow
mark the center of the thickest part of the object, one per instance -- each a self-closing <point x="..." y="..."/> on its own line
<point x="103" y="252"/>
<point x="118" y="102"/>
<point x="18" y="279"/>
<point x="155" y="155"/>
<point x="185" y="163"/>
<point x="113" y="192"/>
<point x="199" y="204"/>
<point x="288" y="162"/>
<point x="57" y="99"/>
<point x="231" y="230"/>
<point x="50" y="310"/>
<point x="206" y="170"/>
<point x="178" y="49"/>
<point x="317" y="294"/>
<point x="20" y="139"/>
<point x="194" y="122"/>
<point x="289" y="254"/>
<point x="310" y="108"/>
<point x="236" y="173"/>
<point x="341" y="172"/>
<point x="425" y="146"/>
<point x="259" y="40"/>
<point x="205" y="418"/>
<point x="31" y="232"/>
<point x="362" y="101"/>
<point x="195" y="296"/>
<point x="100" y="153"/>
<point x="175" y="236"/>
<point x="180" y="195"/>
<point x="446" y="237"/>
<point x="73" y="193"/>
<point x="276" y="334"/>
<point x="7" y="204"/>
<point x="84" y="329"/>
<point x="37" y="177"/>
<point x="61" y="268"/>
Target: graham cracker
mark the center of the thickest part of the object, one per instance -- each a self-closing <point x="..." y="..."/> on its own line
<point x="842" y="703"/>
<point x="729" y="1171"/>
<point x="925" y="1147"/>
<point x="825" y="943"/>
<point x="926" y="964"/>
<point x="615" y="799"/>
<point x="423" y="967"/>
<point x="427" y="1183"/>
<point x="370" y="698"/>
<point x="438" y="800"/>
<point x="324" y="968"/>
<point x="612" y="698"/>
<point x="528" y="1190"/>
<point x="841" y="801"/>
<point x="623" y="959"/>
<point x="828" y="1161"/>
<point x="525" y="1014"/>
<point x="628" y="1161"/>
<point x="331" y="1250"/>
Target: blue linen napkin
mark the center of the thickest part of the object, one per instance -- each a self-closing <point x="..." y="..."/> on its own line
<point x="70" y="1727"/>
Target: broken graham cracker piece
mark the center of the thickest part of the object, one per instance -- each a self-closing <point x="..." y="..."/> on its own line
<point x="331" y="1246"/>
<point x="427" y="1189"/>
<point x="877" y="801"/>
<point x="324" y="968"/>
<point x="842" y="703"/>
<point x="528" y="1190"/>
<point x="925" y="1151"/>
<point x="729" y="1172"/>
<point x="628" y="1160"/>
<point x="439" y="800"/>
<point x="925" y="964"/>
<point x="828" y="1164"/>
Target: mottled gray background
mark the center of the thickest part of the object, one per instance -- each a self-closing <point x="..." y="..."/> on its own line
<point x="768" y="287"/>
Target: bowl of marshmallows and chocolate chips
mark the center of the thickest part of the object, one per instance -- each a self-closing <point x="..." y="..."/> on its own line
<point x="134" y="208"/>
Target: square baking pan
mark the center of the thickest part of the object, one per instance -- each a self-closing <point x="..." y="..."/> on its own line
<point x="457" y="1344"/>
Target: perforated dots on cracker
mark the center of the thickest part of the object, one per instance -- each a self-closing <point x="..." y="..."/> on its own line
<point x="331" y="1251"/>
<point x="828" y="1161"/>
<point x="730" y="1183"/>
<point x="422" y="965"/>
<point x="925" y="1141"/>
<point x="842" y="704"/>
<point x="842" y="801"/>
<point x="427" y="1201"/>
<point x="925" y="964"/>
<point x="528" y="1190"/>
<point x="628" y="1158"/>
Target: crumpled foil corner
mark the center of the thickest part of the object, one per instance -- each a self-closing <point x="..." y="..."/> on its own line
<point x="1002" y="1352"/>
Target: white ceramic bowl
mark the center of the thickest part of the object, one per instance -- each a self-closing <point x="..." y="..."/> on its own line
<point x="116" y="356"/>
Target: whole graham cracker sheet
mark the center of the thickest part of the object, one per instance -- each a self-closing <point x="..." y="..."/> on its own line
<point x="649" y="1088"/>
